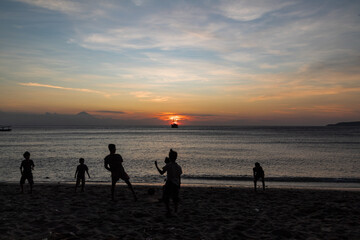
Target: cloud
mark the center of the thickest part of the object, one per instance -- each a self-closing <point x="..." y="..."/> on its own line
<point x="149" y="97"/>
<point x="64" y="6"/>
<point x="166" y="116"/>
<point x="108" y="111"/>
<point x="141" y="94"/>
<point x="303" y="93"/>
<point x="248" y="10"/>
<point x="30" y="84"/>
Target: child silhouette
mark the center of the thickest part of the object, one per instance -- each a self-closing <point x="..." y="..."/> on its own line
<point x="80" y="174"/>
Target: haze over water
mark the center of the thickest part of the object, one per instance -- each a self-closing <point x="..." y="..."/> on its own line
<point x="220" y="155"/>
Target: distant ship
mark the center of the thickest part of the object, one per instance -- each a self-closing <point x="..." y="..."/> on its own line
<point x="174" y="124"/>
<point x="5" y="128"/>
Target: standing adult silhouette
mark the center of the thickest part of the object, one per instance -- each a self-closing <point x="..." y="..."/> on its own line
<point x="113" y="163"/>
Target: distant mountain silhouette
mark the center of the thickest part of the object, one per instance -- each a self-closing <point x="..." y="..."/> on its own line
<point x="345" y="124"/>
<point x="84" y="115"/>
<point x="79" y="119"/>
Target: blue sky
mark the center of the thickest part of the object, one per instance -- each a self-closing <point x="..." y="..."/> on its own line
<point x="247" y="61"/>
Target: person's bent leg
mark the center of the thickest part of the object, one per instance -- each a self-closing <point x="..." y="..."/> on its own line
<point x="131" y="188"/>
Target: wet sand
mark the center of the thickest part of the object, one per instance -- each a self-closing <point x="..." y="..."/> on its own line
<point x="55" y="211"/>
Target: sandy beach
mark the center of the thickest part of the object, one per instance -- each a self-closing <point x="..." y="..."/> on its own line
<point x="55" y="211"/>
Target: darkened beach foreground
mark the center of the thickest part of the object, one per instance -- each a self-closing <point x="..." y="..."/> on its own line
<point x="55" y="211"/>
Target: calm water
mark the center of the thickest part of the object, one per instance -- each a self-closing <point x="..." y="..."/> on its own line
<point x="207" y="155"/>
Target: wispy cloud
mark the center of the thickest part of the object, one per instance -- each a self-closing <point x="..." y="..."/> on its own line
<point x="317" y="109"/>
<point x="30" y="84"/>
<point x="65" y="6"/>
<point x="248" y="10"/>
<point x="108" y="111"/>
<point x="149" y="97"/>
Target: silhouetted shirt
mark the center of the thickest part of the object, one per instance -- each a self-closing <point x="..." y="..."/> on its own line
<point x="81" y="170"/>
<point x="258" y="172"/>
<point x="115" y="163"/>
<point x="26" y="166"/>
<point x="174" y="172"/>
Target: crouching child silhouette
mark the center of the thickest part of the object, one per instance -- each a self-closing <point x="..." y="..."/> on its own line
<point x="173" y="181"/>
<point x="258" y="173"/>
<point x="26" y="167"/>
<point x="80" y="174"/>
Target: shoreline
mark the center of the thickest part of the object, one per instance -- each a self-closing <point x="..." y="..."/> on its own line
<point x="55" y="211"/>
<point x="355" y="187"/>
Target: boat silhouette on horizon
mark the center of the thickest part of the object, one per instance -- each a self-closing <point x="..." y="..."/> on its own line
<point x="174" y="124"/>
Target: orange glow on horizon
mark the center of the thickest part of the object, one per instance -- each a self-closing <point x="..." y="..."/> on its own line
<point x="173" y="117"/>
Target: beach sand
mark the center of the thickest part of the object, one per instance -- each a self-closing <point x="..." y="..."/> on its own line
<point x="55" y="211"/>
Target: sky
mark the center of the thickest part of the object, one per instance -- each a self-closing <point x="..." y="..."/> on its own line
<point x="202" y="62"/>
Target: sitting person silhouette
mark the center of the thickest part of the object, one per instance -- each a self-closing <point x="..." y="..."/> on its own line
<point x="173" y="181"/>
<point x="113" y="163"/>
<point x="258" y="173"/>
<point x="80" y="174"/>
<point x="26" y="167"/>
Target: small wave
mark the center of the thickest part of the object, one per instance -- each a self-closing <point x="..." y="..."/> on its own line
<point x="275" y="179"/>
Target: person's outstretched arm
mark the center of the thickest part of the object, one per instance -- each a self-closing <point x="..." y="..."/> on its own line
<point x="76" y="172"/>
<point x="157" y="167"/>
<point x="88" y="173"/>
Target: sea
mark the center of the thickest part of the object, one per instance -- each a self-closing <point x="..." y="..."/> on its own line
<point x="299" y="157"/>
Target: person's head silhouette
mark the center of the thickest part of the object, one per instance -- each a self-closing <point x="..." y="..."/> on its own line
<point x="172" y="155"/>
<point x="112" y="148"/>
<point x="26" y="155"/>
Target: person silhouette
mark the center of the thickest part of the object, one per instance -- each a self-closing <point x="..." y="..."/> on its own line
<point x="80" y="174"/>
<point x="113" y="163"/>
<point x="26" y="167"/>
<point x="173" y="181"/>
<point x="258" y="173"/>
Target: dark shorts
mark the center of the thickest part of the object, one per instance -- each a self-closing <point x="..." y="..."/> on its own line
<point x="171" y="190"/>
<point x="123" y="176"/>
<point x="29" y="177"/>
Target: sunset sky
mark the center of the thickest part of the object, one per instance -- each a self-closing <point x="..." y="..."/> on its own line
<point x="207" y="62"/>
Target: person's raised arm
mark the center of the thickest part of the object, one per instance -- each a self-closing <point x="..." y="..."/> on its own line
<point x="157" y="167"/>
